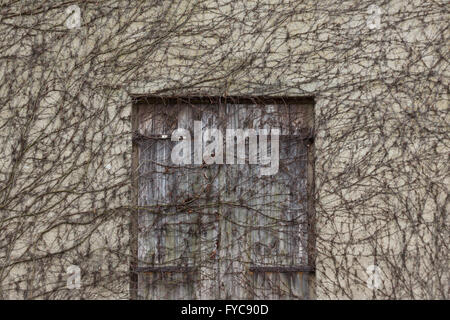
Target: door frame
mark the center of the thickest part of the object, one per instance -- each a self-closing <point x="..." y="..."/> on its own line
<point x="141" y="99"/>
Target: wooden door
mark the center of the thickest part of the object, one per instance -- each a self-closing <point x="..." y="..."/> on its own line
<point x="223" y="231"/>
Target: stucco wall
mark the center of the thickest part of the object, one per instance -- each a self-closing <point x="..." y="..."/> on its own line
<point x="381" y="125"/>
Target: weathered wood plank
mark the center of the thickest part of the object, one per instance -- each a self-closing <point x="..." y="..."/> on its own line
<point x="203" y="228"/>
